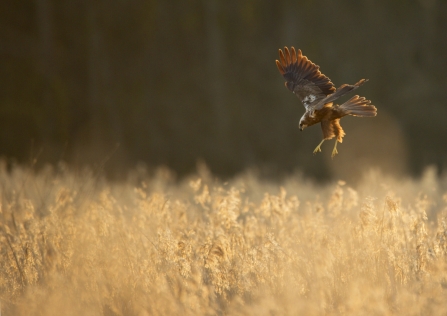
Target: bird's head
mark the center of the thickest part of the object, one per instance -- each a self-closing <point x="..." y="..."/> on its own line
<point x="302" y="125"/>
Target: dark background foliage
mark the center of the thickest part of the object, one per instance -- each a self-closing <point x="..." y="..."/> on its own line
<point x="176" y="82"/>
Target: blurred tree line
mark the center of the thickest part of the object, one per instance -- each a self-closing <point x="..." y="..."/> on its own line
<point x="173" y="82"/>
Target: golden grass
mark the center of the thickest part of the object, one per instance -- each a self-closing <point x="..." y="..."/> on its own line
<point x="73" y="244"/>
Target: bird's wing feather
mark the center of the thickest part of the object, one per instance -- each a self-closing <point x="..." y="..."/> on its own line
<point x="342" y="90"/>
<point x="303" y="77"/>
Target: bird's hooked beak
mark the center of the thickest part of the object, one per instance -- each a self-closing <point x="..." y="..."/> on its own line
<point x="302" y="127"/>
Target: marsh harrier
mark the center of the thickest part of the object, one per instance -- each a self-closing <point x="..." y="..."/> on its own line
<point x="317" y="93"/>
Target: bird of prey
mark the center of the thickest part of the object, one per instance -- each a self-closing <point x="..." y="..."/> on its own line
<point x="317" y="93"/>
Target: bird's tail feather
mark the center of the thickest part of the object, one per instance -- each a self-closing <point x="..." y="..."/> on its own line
<point x="359" y="106"/>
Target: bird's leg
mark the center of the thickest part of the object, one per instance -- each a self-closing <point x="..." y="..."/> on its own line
<point x="334" y="152"/>
<point x="318" y="149"/>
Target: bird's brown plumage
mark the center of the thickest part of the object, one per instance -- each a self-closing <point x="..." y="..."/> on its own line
<point x="317" y="93"/>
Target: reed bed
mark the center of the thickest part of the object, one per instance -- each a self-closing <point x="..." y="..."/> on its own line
<point x="73" y="243"/>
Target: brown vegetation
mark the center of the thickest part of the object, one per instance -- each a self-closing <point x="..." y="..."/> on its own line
<point x="74" y="244"/>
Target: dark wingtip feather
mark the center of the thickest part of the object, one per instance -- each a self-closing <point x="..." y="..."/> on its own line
<point x="282" y="58"/>
<point x="293" y="55"/>
<point x="289" y="60"/>
<point x="361" y="82"/>
<point x="280" y="68"/>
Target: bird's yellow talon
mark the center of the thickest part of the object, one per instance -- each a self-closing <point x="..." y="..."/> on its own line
<point x="318" y="149"/>
<point x="334" y="151"/>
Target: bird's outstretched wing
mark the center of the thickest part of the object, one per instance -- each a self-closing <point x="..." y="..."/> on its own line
<point x="342" y="90"/>
<point x="303" y="77"/>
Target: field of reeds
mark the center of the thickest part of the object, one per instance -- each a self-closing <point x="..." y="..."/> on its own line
<point x="73" y="243"/>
